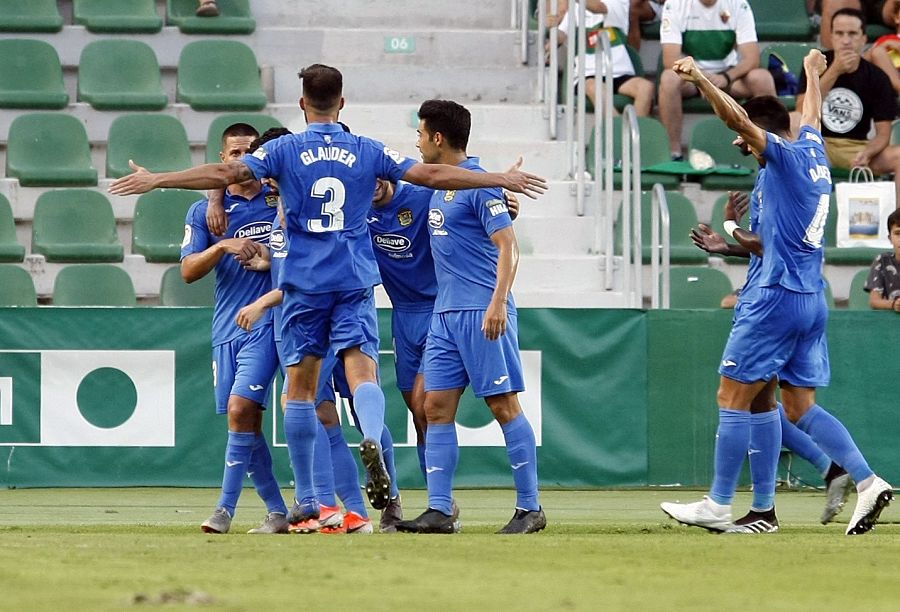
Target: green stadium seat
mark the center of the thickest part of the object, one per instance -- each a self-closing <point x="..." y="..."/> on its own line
<point x="18" y="287"/>
<point x="120" y="75"/>
<point x="31" y="75"/>
<point x="93" y="285"/>
<point x="682" y="218"/>
<point x="654" y="150"/>
<point x="159" y="224"/>
<point x="782" y="20"/>
<point x="697" y="287"/>
<point x="218" y="125"/>
<point x="852" y="256"/>
<point x="173" y="291"/>
<point x="75" y="225"/>
<point x="715" y="138"/>
<point x="49" y="149"/>
<point x="217" y="75"/>
<point x="10" y="249"/>
<point x="118" y="16"/>
<point x="157" y="142"/>
<point x="859" y="297"/>
<point x="234" y="17"/>
<point x="792" y="53"/>
<point x="895" y="132"/>
<point x="829" y="296"/>
<point x="30" y="16"/>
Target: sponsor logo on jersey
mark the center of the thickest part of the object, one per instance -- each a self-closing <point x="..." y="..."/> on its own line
<point x="436" y="221"/>
<point x="392" y="243"/>
<point x="448" y="197"/>
<point x="496" y="207"/>
<point x="404" y="217"/>
<point x="258" y="231"/>
<point x="276" y="239"/>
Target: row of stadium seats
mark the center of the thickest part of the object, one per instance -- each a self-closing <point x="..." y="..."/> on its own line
<point x="213" y="75"/>
<point x="125" y="16"/>
<point x="79" y="225"/>
<point x="52" y="149"/>
<point x="102" y="285"/>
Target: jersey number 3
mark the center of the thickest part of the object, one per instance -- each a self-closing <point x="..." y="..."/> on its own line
<point x="332" y="191"/>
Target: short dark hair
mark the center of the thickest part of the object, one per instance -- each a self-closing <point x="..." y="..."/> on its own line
<point x="850" y="12"/>
<point x="452" y="120"/>
<point x="239" y="129"/>
<point x="769" y="113"/>
<point x="322" y="86"/>
<point x="271" y="134"/>
<point x="893" y="219"/>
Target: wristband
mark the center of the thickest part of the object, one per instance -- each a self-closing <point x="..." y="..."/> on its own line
<point x="727" y="80"/>
<point x="729" y="226"/>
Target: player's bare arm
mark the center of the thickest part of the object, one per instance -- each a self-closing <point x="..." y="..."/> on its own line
<point x="216" y="219"/>
<point x="197" y="265"/>
<point x="727" y="109"/>
<point x="207" y="176"/>
<point x="814" y="65"/>
<point x="738" y="204"/>
<point x="251" y="313"/>
<point x="443" y="176"/>
<point x="495" y="317"/>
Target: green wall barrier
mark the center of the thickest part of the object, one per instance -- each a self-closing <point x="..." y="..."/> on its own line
<point x="123" y="397"/>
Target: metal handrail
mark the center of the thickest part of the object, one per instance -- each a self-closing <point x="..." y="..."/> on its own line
<point x="659" y="222"/>
<point x="632" y="285"/>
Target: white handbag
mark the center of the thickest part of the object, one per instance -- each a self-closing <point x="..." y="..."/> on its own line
<point x="863" y="206"/>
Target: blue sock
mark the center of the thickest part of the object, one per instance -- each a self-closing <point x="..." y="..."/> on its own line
<point x="799" y="442"/>
<point x="732" y="444"/>
<point x="834" y="439"/>
<point x="346" y="474"/>
<point x="420" y="451"/>
<point x="441" y="457"/>
<point x="263" y="478"/>
<point x="387" y="451"/>
<point x="237" y="462"/>
<point x="765" y="448"/>
<point x="300" y="433"/>
<point x="323" y="473"/>
<point x="522" y="452"/>
<point x="368" y="401"/>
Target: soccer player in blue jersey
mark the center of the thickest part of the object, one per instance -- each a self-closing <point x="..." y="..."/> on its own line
<point x="782" y="330"/>
<point x="327" y="178"/>
<point x="473" y="337"/>
<point x="244" y="362"/>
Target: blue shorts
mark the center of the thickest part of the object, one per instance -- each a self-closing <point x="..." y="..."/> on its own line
<point x="245" y="367"/>
<point x="410" y="331"/>
<point x="316" y="323"/>
<point x="457" y="353"/>
<point x="780" y="333"/>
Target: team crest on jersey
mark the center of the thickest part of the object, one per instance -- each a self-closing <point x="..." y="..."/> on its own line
<point x="404" y="217"/>
<point x="257" y="231"/>
<point x="436" y="222"/>
<point x="272" y="200"/>
<point x="188" y="234"/>
<point x="276" y="239"/>
<point x="448" y="197"/>
<point x="496" y="207"/>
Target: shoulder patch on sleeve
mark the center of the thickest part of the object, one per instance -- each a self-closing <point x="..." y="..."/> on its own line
<point x="394" y="155"/>
<point x="260" y="153"/>
<point x="188" y="234"/>
<point x="496" y="206"/>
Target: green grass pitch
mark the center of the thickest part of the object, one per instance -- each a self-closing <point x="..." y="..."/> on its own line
<point x="113" y="549"/>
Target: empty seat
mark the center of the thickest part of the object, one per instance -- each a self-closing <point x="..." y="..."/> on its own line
<point x="853" y="256"/>
<point x="93" y="285"/>
<point x="118" y="16"/>
<point x="697" y="287"/>
<point x="654" y="150"/>
<point x="234" y="17"/>
<point x="782" y="20"/>
<point x="31" y="75"/>
<point x="217" y="75"/>
<point x="30" y="16"/>
<point x="49" y="149"/>
<point x="159" y="223"/>
<point x="18" y="287"/>
<point x="682" y="218"/>
<point x="173" y="291"/>
<point x="218" y="125"/>
<point x="75" y="225"/>
<point x="859" y="297"/>
<point x="10" y="249"/>
<point x="157" y="142"/>
<point x="715" y="138"/>
<point x="120" y="75"/>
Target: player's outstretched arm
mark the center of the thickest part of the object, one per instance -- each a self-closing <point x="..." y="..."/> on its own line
<point x="443" y="176"/>
<point x="727" y="109"/>
<point x="814" y="65"/>
<point x="207" y="176"/>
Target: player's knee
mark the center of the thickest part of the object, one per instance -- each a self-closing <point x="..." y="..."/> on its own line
<point x="327" y="413"/>
<point x="669" y="81"/>
<point x="242" y="414"/>
<point x="760" y="82"/>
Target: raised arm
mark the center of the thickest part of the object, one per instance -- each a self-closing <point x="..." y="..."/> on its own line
<point x="207" y="176"/>
<point x="811" y="110"/>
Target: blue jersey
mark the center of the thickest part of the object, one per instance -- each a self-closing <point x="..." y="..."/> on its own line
<point x="755" y="266"/>
<point x="327" y="180"/>
<point x="796" y="193"/>
<point x="465" y="258"/>
<point x="235" y="286"/>
<point x="277" y="251"/>
<point x="400" y="239"/>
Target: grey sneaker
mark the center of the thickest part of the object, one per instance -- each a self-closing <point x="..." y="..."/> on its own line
<point x="391" y="515"/>
<point x="869" y="504"/>
<point x="837" y="490"/>
<point x="275" y="522"/>
<point x="219" y="522"/>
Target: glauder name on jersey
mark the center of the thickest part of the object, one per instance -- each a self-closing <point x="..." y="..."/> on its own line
<point x="343" y="156"/>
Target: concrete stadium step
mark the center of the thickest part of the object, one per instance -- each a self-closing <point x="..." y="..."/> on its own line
<point x="568" y="235"/>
